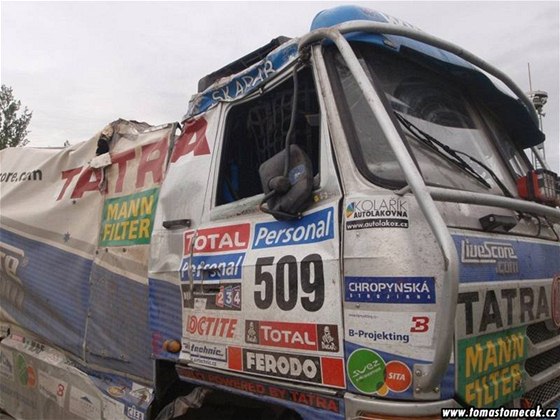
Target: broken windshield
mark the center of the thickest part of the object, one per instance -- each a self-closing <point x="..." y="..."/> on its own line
<point x="455" y="141"/>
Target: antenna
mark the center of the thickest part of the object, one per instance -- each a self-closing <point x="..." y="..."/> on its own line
<point x="539" y="99"/>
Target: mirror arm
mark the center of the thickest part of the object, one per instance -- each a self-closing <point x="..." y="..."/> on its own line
<point x="277" y="213"/>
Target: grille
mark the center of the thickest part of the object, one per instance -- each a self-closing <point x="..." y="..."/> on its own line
<point x="539" y="332"/>
<point x="546" y="394"/>
<point x="543" y="361"/>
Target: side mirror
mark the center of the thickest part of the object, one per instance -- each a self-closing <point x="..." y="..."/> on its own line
<point x="288" y="196"/>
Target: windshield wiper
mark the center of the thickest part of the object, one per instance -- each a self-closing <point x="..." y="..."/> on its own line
<point x="450" y="154"/>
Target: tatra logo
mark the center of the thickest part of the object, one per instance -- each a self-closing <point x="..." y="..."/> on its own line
<point x="499" y="253"/>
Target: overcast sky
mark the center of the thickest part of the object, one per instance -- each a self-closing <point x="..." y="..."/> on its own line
<point x="81" y="65"/>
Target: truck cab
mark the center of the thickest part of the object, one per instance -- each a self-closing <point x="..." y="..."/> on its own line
<point x="412" y="275"/>
<point x="347" y="226"/>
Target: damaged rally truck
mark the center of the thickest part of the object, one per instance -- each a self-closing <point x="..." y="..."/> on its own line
<point x="344" y="225"/>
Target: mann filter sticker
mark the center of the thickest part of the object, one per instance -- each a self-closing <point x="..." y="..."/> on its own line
<point x="376" y="213"/>
<point x="366" y="370"/>
<point x="411" y="290"/>
<point x="371" y="329"/>
<point x="128" y="220"/>
<point x="314" y="227"/>
<point x="490" y="368"/>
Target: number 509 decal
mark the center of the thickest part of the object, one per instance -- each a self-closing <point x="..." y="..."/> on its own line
<point x="308" y="273"/>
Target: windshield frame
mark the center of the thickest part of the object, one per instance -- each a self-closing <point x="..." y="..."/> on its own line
<point x="487" y="124"/>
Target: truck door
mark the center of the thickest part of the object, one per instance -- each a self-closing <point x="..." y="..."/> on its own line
<point x="262" y="296"/>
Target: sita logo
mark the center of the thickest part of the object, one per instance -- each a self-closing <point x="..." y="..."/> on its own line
<point x="555" y="301"/>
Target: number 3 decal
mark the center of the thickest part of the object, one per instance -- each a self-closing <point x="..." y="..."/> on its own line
<point x="420" y="324"/>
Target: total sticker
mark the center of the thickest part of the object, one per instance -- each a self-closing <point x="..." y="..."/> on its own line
<point x="398" y="376"/>
<point x="366" y="370"/>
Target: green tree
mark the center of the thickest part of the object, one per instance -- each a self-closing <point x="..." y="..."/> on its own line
<point x="13" y="127"/>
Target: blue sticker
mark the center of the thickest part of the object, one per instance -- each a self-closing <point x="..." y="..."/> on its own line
<point x="213" y="267"/>
<point x="390" y="289"/>
<point x="315" y="227"/>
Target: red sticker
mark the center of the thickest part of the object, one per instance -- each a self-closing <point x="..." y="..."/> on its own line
<point x="398" y="376"/>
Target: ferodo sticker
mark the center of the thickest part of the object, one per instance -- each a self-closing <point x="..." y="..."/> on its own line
<point x="490" y="367"/>
<point x="301" y="368"/>
<point x="301" y="336"/>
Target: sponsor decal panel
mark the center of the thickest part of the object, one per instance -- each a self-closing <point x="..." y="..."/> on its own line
<point x="6" y="364"/>
<point x="217" y="239"/>
<point x="313" y="228"/>
<point x="12" y="260"/>
<point x="376" y="213"/>
<point x="226" y="297"/>
<point x="410" y="290"/>
<point x="25" y="372"/>
<point x="213" y="267"/>
<point x="212" y="257"/>
<point x="370" y="374"/>
<point x="366" y="370"/>
<point x="499" y="254"/>
<point x="398" y="376"/>
<point x="211" y="326"/>
<point x="112" y="409"/>
<point x="128" y="220"/>
<point x="134" y="413"/>
<point x="372" y="329"/>
<point x="291" y="366"/>
<point x="310" y="399"/>
<point x="480" y="312"/>
<point x="490" y="368"/>
<point x="84" y="405"/>
<point x="209" y="354"/>
<point x="301" y="336"/>
<point x="52" y="388"/>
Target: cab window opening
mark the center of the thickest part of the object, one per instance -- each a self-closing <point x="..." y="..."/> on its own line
<point x="256" y="130"/>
